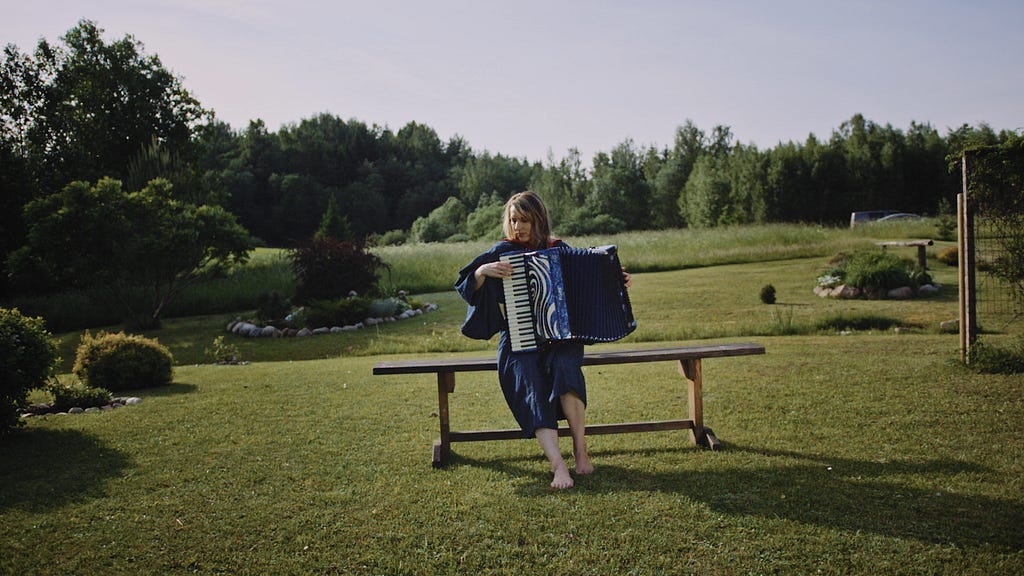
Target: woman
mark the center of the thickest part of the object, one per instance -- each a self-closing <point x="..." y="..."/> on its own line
<point x="540" y="387"/>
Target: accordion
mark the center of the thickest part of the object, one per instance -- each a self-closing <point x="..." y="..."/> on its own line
<point x="566" y="294"/>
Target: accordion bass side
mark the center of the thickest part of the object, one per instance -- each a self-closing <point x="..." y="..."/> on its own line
<point x="566" y="294"/>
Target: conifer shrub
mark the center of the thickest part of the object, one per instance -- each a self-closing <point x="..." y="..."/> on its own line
<point x="122" y="362"/>
<point x="28" y="359"/>
<point x="768" y="294"/>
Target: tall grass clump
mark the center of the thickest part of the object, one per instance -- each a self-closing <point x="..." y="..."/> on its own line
<point x="839" y="322"/>
<point x="781" y="322"/>
<point x="986" y="358"/>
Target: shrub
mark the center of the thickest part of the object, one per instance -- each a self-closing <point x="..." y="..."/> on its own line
<point x="326" y="269"/>
<point x="768" y="294"/>
<point x="330" y="313"/>
<point x="122" y="362"/>
<point x="875" y="272"/>
<point x="28" y="359"/>
<point x="221" y="352"/>
<point x="840" y="322"/>
<point x="988" y="359"/>
<point x="388" y="307"/>
<point x="67" y="396"/>
<point x="949" y="256"/>
<point x="272" y="307"/>
<point x="392" y="238"/>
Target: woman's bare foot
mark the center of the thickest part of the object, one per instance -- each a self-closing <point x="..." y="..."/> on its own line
<point x="562" y="479"/>
<point x="583" y="465"/>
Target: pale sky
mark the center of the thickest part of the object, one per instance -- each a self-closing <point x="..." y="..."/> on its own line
<point x="526" y="77"/>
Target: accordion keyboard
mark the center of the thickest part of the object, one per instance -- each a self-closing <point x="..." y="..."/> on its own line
<point x="517" y="305"/>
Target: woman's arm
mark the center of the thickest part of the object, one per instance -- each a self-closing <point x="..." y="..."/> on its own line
<point x="497" y="269"/>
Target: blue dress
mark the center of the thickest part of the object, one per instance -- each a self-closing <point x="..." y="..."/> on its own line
<point x="532" y="382"/>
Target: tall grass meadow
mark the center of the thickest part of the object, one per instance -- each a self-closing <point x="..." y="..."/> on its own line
<point x="433" y="267"/>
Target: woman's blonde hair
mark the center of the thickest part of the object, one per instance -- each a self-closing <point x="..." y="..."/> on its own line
<point x="529" y="205"/>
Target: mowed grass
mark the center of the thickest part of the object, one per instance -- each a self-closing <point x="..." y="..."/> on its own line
<point x="863" y="454"/>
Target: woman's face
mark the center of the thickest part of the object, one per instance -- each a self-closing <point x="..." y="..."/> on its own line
<point x="521" y="226"/>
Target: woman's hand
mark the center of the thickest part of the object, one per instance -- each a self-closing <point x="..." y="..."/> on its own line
<point x="499" y="270"/>
<point x="626" y="278"/>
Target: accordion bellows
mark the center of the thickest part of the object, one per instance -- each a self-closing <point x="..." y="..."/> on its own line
<point x="566" y="294"/>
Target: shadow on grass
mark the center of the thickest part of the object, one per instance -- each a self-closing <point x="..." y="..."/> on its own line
<point x="901" y="499"/>
<point x="172" y="389"/>
<point x="42" y="470"/>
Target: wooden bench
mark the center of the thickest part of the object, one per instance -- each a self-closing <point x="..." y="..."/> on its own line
<point x="688" y="359"/>
<point x="922" y="258"/>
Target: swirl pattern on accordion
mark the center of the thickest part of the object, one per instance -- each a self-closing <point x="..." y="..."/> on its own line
<point x="546" y="293"/>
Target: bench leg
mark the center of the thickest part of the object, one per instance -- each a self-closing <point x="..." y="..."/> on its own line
<point x="443" y="446"/>
<point x="701" y="436"/>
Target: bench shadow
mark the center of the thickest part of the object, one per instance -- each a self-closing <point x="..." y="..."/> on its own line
<point x="884" y="498"/>
<point x="43" y="470"/>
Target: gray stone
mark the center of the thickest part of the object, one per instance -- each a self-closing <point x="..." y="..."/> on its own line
<point x="844" y="291"/>
<point x="901" y="293"/>
<point x="949" y="326"/>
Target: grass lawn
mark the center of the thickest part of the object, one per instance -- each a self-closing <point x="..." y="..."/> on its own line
<point x="872" y="452"/>
<point x="861" y="454"/>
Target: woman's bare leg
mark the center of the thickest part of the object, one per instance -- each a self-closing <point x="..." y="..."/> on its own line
<point x="575" y="414"/>
<point x="548" y="438"/>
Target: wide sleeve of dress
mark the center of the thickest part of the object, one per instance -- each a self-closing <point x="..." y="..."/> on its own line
<point x="484" y="318"/>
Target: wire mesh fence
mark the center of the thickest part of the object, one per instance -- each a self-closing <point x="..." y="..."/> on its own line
<point x="992" y="239"/>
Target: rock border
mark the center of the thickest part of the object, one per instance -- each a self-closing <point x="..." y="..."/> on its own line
<point x="903" y="293"/>
<point x="250" y="330"/>
<point x="43" y="409"/>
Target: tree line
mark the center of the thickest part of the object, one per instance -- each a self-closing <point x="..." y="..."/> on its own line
<point x="84" y="109"/>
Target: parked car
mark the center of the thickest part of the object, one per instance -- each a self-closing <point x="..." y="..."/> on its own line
<point x="898" y="216"/>
<point x="866" y="216"/>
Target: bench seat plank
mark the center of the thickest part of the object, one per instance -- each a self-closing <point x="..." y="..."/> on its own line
<point x="438" y="365"/>
<point x="688" y="359"/>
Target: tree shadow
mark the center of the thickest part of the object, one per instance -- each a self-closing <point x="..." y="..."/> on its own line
<point x="42" y="470"/>
<point x="899" y="498"/>
<point x="172" y="389"/>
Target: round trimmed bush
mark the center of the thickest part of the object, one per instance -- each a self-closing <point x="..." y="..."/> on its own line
<point x="122" y="362"/>
<point x="949" y="256"/>
<point x="28" y="359"/>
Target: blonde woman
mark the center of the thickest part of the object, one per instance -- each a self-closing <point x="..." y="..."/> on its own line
<point x="540" y="387"/>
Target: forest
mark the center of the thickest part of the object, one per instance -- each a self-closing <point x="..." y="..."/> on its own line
<point x="83" y="109"/>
